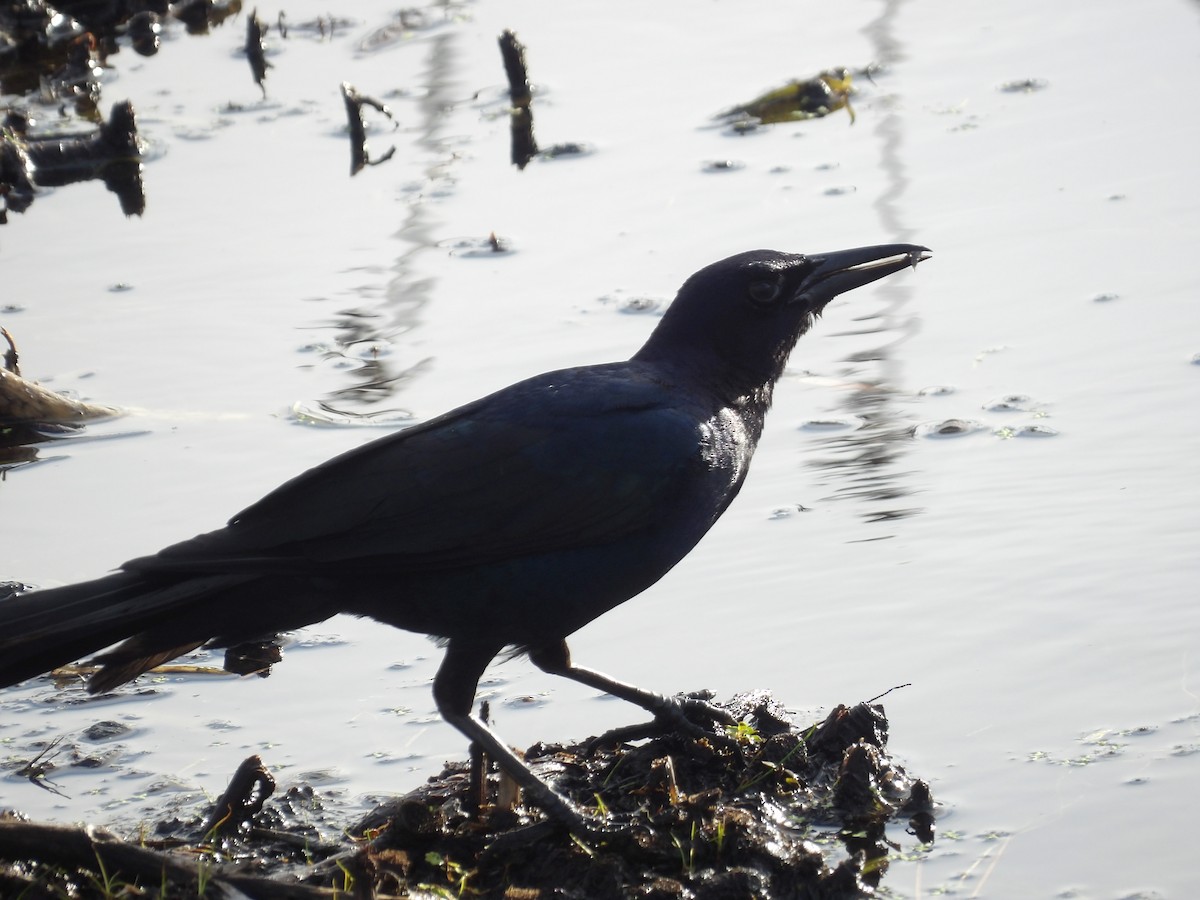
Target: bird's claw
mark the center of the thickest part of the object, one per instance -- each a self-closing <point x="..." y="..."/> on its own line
<point x="681" y="712"/>
<point x="693" y="704"/>
<point x="684" y="713"/>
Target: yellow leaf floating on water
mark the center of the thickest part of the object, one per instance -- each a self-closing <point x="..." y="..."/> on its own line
<point x="808" y="99"/>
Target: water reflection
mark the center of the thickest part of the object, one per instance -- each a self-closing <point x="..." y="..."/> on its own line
<point x="367" y="335"/>
<point x="364" y="346"/>
<point x="18" y="442"/>
<point x="865" y="463"/>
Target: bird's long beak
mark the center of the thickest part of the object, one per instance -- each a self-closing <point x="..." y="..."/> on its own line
<point x="843" y="270"/>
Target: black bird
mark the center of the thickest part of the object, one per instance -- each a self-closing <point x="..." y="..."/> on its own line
<point x="509" y="522"/>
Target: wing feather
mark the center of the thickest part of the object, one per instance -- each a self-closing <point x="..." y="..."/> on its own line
<point x="571" y="459"/>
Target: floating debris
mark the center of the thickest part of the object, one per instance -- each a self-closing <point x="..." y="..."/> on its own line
<point x="948" y="428"/>
<point x="475" y="247"/>
<point x="145" y="33"/>
<point x="1025" y="431"/>
<point x="723" y="165"/>
<point x="1024" y="86"/>
<point x="834" y="423"/>
<point x="25" y="402"/>
<point x="1011" y="402"/>
<point x="198" y="16"/>
<point x="797" y="100"/>
<point x="106" y="730"/>
<point x="635" y="304"/>
<point x="57" y="53"/>
<point x="111" y="154"/>
<point x="31" y="414"/>
<point x="359" y="157"/>
<point x="569" y="149"/>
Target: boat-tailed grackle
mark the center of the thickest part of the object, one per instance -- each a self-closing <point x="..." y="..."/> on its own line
<point x="509" y="522"/>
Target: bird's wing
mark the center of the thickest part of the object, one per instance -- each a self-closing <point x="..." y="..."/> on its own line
<point x="528" y="470"/>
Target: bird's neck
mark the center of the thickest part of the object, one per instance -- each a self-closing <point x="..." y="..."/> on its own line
<point x="745" y="383"/>
<point x="752" y="408"/>
<point x="714" y="385"/>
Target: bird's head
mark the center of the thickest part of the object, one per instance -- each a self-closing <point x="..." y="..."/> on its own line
<point x="735" y="322"/>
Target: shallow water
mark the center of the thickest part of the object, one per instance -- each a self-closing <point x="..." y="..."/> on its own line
<point x="1031" y="576"/>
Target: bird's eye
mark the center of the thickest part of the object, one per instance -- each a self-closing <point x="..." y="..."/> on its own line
<point x="761" y="293"/>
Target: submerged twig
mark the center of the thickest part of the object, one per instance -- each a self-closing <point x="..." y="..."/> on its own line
<point x="359" y="157"/>
<point x="256" y="51"/>
<point x="524" y="145"/>
<point x="11" y="357"/>
<point x="36" y="770"/>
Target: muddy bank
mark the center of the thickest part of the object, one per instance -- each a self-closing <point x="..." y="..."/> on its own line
<point x="764" y="809"/>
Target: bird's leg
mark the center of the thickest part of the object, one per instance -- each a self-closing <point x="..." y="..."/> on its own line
<point x="672" y="711"/>
<point x="454" y="692"/>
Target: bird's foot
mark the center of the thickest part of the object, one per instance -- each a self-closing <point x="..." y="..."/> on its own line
<point x="689" y="714"/>
<point x="694" y="716"/>
<point x="696" y="704"/>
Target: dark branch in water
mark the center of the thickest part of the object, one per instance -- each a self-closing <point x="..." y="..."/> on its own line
<point x="359" y="157"/>
<point x="256" y="51"/>
<point x="524" y="145"/>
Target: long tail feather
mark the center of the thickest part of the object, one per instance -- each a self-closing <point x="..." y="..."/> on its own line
<point x="48" y="628"/>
